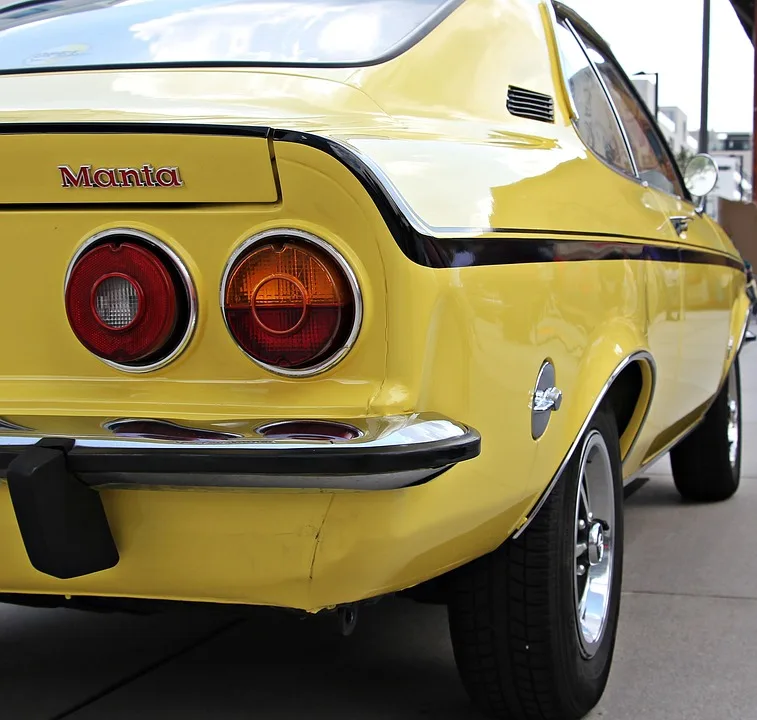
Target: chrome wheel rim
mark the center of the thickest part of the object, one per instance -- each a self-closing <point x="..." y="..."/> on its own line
<point x="733" y="417"/>
<point x="594" y="542"/>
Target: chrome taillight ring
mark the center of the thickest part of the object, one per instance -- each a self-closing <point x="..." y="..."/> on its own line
<point x="181" y="270"/>
<point x="283" y="233"/>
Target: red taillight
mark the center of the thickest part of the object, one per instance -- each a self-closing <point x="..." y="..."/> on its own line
<point x="126" y="303"/>
<point x="291" y="303"/>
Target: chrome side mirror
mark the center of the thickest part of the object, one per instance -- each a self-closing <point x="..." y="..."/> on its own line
<point x="700" y="177"/>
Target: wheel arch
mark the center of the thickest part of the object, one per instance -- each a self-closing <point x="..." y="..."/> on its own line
<point x="628" y="391"/>
<point x="629" y="397"/>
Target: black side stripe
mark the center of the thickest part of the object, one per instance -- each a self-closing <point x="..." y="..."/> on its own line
<point x="423" y="249"/>
<point x="451" y="252"/>
<point x="704" y="257"/>
<point x="467" y="252"/>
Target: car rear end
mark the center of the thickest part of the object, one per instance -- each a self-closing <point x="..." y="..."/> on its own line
<point x="233" y="370"/>
<point x="196" y="367"/>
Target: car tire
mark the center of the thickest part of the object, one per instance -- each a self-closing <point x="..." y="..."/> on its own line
<point x="707" y="463"/>
<point x="520" y="648"/>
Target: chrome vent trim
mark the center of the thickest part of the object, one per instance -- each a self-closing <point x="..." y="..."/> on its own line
<point x="7" y="425"/>
<point x="530" y="104"/>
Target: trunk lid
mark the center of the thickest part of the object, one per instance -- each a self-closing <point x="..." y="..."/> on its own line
<point x="90" y="166"/>
<point x="79" y="163"/>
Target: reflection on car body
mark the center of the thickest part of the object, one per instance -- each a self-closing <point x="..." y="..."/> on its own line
<point x="408" y="289"/>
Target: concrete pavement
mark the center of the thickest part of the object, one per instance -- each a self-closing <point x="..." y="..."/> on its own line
<point x="687" y="646"/>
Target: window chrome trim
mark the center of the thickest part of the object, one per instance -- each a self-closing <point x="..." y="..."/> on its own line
<point x="633" y="357"/>
<point x="553" y="42"/>
<point x="307" y="237"/>
<point x="610" y="58"/>
<point x="613" y="108"/>
<point x="186" y="279"/>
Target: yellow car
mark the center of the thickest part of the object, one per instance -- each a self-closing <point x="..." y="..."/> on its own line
<point x="308" y="302"/>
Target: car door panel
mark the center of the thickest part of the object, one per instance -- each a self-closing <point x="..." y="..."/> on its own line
<point x="707" y="297"/>
<point x="663" y="269"/>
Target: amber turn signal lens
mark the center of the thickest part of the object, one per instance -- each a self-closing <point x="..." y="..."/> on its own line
<point x="289" y="303"/>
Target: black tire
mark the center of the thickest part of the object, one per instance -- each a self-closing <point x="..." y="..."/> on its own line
<point x="701" y="463"/>
<point x="512" y="613"/>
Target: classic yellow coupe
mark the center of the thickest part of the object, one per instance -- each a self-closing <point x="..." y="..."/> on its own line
<point x="307" y="302"/>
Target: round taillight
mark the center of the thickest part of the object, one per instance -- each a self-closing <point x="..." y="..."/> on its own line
<point x="128" y="302"/>
<point x="291" y="302"/>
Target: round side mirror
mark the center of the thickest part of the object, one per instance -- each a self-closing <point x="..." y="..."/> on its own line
<point x="700" y="175"/>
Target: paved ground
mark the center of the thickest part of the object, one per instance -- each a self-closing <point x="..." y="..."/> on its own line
<point x="687" y="646"/>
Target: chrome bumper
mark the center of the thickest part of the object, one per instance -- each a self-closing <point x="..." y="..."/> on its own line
<point x="389" y="453"/>
<point x="63" y="522"/>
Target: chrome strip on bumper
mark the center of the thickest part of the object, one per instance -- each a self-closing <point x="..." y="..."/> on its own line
<point x="390" y="453"/>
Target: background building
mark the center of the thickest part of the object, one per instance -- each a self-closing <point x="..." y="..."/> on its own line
<point x="732" y="151"/>
<point x="672" y="121"/>
<point x="645" y="88"/>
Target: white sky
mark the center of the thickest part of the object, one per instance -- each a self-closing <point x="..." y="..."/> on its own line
<point x="665" y="36"/>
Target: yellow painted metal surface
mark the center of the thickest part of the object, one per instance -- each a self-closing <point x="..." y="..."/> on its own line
<point x="213" y="170"/>
<point x="466" y="342"/>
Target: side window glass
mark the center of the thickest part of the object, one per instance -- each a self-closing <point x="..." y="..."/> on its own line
<point x="652" y="158"/>
<point x="596" y="123"/>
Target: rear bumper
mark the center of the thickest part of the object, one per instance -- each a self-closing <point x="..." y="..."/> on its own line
<point x="389" y="453"/>
<point x="306" y="549"/>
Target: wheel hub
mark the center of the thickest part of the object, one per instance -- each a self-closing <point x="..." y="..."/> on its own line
<point x="596" y="549"/>
<point x="594" y="543"/>
<point x="733" y="418"/>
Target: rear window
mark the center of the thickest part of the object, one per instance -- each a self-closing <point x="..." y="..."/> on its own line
<point x="95" y="33"/>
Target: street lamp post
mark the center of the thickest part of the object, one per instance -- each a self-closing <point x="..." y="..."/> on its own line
<point x="704" y="136"/>
<point x="656" y="91"/>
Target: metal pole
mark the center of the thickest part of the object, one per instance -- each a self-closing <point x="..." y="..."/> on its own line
<point x="754" y="104"/>
<point x="656" y="96"/>
<point x="704" y="122"/>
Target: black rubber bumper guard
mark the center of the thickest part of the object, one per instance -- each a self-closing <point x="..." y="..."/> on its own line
<point x="62" y="521"/>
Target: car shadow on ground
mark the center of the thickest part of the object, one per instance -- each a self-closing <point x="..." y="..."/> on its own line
<point x="658" y="492"/>
<point x="275" y="665"/>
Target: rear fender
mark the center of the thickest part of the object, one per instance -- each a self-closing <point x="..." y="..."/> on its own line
<point x="742" y="309"/>
<point x="613" y="349"/>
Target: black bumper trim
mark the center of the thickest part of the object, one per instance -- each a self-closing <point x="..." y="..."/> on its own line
<point x="215" y="461"/>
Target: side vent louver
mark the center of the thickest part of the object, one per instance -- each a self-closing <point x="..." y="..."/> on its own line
<point x="530" y="104"/>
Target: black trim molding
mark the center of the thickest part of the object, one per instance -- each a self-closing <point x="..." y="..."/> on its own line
<point x="435" y="247"/>
<point x="218" y="461"/>
<point x="450" y="252"/>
